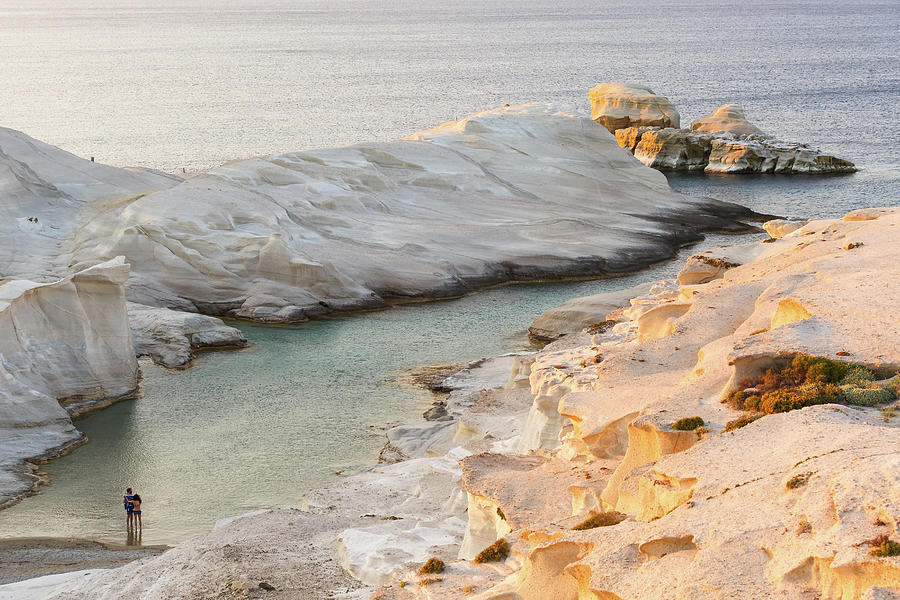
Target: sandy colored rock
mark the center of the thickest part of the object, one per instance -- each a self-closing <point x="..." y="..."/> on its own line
<point x="574" y="315"/>
<point x="728" y="118"/>
<point x="778" y="228"/>
<point x="618" y="105"/>
<point x="781" y="508"/>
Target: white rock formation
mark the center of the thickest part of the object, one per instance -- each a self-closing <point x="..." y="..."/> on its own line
<point x="171" y="337"/>
<point x="617" y="105"/>
<point x="50" y="197"/>
<point x="704" y="514"/>
<point x="509" y="194"/>
<point x="64" y="347"/>
<point x="728" y="118"/>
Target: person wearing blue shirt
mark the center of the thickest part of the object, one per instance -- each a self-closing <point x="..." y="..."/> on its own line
<point x="128" y="501"/>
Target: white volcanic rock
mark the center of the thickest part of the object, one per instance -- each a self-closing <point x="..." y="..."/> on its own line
<point x="671" y="149"/>
<point x="574" y="315"/>
<point x="509" y="194"/>
<point x="707" y="514"/>
<point x="617" y="105"/>
<point x="48" y="194"/>
<point x="170" y="337"/>
<point x="63" y="343"/>
<point x="728" y="118"/>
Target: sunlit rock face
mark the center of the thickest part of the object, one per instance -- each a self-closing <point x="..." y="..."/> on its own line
<point x="728" y="118"/>
<point x="724" y="141"/>
<point x="64" y="347"/>
<point x="515" y="193"/>
<point x="686" y="150"/>
<point x="618" y="105"/>
<point x="608" y="497"/>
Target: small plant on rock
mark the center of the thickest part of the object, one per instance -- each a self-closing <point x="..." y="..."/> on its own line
<point x="600" y="327"/>
<point x="741" y="422"/>
<point x="432" y="566"/>
<point x="687" y="424"/>
<point x="797" y="481"/>
<point x="496" y="552"/>
<point x="883" y="546"/>
<point x="604" y="519"/>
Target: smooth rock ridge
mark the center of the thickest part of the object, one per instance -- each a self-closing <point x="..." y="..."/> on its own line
<point x="728" y="118"/>
<point x="515" y="193"/>
<point x="618" y="105"/>
<point x="65" y="347"/>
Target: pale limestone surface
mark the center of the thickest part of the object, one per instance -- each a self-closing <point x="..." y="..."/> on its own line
<point x="574" y="315"/>
<point x="515" y="193"/>
<point x="728" y="118"/>
<point x="62" y="192"/>
<point x="64" y="342"/>
<point x="707" y="514"/>
<point x="171" y="337"/>
<point x="617" y="105"/>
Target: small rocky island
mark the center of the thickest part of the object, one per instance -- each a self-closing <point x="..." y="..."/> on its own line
<point x="648" y="126"/>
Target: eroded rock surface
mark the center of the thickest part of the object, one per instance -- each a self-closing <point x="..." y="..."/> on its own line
<point x="516" y="193"/>
<point x="786" y="506"/>
<point x="728" y="118"/>
<point x="618" y="105"/>
<point x="65" y="347"/>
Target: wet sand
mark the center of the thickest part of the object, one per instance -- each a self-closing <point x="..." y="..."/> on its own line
<point x="24" y="558"/>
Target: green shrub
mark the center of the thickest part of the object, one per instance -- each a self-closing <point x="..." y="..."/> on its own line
<point x="432" y="566"/>
<point x="496" y="552"/>
<point x="604" y="519"/>
<point x="807" y="381"/>
<point x="884" y="546"/>
<point x="687" y="424"/>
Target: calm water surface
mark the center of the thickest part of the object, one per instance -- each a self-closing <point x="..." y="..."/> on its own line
<point x="195" y="83"/>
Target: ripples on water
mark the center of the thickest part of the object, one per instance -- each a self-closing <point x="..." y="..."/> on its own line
<point x="195" y="84"/>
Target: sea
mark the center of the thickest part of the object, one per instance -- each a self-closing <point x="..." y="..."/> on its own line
<point x="190" y="85"/>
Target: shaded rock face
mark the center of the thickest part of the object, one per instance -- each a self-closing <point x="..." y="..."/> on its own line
<point x="618" y="105"/>
<point x="687" y="150"/>
<point x="65" y="342"/>
<point x="728" y="118"/>
<point x="516" y="193"/>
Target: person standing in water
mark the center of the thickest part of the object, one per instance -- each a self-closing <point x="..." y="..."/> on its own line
<point x="136" y="512"/>
<point x="128" y="501"/>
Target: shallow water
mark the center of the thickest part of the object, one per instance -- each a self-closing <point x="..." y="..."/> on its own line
<point x="201" y="82"/>
<point x="251" y="429"/>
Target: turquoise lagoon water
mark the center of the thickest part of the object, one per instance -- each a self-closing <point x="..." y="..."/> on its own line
<point x="250" y="429"/>
<point x="195" y="83"/>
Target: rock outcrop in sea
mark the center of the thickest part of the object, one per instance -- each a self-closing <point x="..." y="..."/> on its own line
<point x="607" y="465"/>
<point x="721" y="142"/>
<point x="516" y="193"/>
